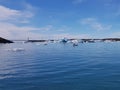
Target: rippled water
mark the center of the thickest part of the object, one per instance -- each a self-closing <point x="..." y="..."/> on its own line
<point x="90" y="66"/>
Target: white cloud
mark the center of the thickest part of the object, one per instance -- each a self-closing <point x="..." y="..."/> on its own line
<point x="94" y="24"/>
<point x="12" y="31"/>
<point x="11" y="27"/>
<point x="19" y="16"/>
<point x="7" y="13"/>
<point x="10" y="20"/>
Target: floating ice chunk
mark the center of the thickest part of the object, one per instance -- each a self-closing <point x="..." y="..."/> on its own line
<point x="75" y="42"/>
<point x="16" y="49"/>
<point x="38" y="44"/>
<point x="45" y="43"/>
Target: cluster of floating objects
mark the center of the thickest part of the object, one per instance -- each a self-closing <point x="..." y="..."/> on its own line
<point x="74" y="42"/>
<point x="63" y="41"/>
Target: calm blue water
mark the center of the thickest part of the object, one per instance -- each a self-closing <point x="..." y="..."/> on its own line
<point x="90" y="66"/>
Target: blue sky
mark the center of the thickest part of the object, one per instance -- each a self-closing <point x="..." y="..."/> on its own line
<point x="47" y="19"/>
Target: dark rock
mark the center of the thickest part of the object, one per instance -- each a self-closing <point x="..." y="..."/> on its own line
<point x="2" y="40"/>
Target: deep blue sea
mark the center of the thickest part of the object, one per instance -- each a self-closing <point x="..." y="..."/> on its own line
<point x="57" y="66"/>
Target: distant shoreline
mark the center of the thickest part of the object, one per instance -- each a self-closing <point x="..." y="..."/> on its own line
<point x="84" y="40"/>
<point x="90" y="40"/>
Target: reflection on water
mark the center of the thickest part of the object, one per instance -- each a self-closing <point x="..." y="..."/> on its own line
<point x="89" y="66"/>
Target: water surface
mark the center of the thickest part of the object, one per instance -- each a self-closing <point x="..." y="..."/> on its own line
<point x="56" y="66"/>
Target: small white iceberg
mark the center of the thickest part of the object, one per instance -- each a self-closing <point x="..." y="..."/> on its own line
<point x="38" y="44"/>
<point x="45" y="43"/>
<point x="75" y="42"/>
<point x="16" y="49"/>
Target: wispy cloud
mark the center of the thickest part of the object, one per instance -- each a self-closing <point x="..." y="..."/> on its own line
<point x="113" y="7"/>
<point x="115" y="35"/>
<point x="19" y="16"/>
<point x="117" y="12"/>
<point x="77" y="1"/>
<point x="107" y="3"/>
<point x="11" y="19"/>
<point x="7" y="13"/>
<point x="10" y="30"/>
<point x="68" y="35"/>
<point x="94" y="24"/>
